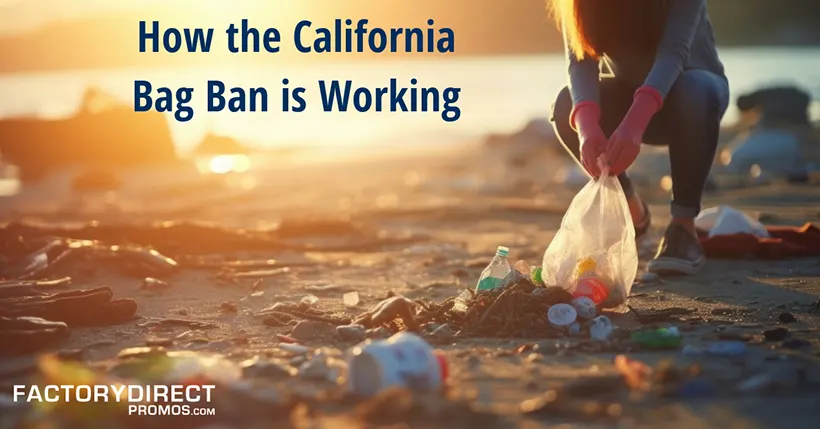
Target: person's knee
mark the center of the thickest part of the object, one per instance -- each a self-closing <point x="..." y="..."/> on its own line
<point x="561" y="111"/>
<point x="697" y="92"/>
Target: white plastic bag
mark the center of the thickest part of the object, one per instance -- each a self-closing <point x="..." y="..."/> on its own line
<point x="724" y="220"/>
<point x="597" y="226"/>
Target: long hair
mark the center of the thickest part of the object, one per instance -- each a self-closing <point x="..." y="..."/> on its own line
<point x="573" y="18"/>
<point x="589" y="25"/>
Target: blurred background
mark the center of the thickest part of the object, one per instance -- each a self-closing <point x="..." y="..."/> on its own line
<point x="68" y="66"/>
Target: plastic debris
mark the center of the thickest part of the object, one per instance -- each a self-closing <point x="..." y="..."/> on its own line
<point x="600" y="328"/>
<point x="351" y="299"/>
<point x="663" y="338"/>
<point x="352" y="332"/>
<point x="295" y="349"/>
<point x="585" y="307"/>
<point x="636" y="374"/>
<point x="561" y="315"/>
<point x="403" y="360"/>
<point x="724" y="220"/>
<point x="726" y="348"/>
<point x="493" y="276"/>
<point x="309" y="300"/>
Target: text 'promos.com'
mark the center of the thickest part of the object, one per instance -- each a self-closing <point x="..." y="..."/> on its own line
<point x="150" y="400"/>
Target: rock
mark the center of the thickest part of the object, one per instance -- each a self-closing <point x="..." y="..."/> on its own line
<point x="352" y="332"/>
<point x="786" y="318"/>
<point x="310" y="330"/>
<point x="776" y="334"/>
<point x="257" y="294"/>
<point x="258" y="367"/>
<point x="317" y="368"/>
<point x="228" y="307"/>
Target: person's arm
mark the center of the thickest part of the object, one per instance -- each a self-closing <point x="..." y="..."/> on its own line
<point x="682" y="21"/>
<point x="583" y="86"/>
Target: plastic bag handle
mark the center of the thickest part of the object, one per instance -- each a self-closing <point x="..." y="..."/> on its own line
<point x="603" y="165"/>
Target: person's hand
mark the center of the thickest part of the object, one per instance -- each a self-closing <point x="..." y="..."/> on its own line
<point x="591" y="137"/>
<point x="624" y="145"/>
<point x="623" y="148"/>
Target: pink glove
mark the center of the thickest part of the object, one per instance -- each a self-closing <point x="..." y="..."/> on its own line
<point x="625" y="144"/>
<point x="585" y="119"/>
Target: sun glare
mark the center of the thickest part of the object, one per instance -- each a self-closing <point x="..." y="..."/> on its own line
<point x="224" y="9"/>
<point x="224" y="164"/>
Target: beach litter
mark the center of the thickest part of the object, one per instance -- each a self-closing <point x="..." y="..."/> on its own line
<point x="593" y="253"/>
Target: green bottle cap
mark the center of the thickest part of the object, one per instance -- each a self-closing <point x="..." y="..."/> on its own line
<point x="535" y="276"/>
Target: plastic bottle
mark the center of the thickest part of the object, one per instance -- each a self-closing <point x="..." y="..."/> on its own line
<point x="403" y="360"/>
<point x="494" y="274"/>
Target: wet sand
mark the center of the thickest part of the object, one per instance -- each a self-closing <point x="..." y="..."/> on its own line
<point x="445" y="212"/>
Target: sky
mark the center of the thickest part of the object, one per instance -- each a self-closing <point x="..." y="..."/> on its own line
<point x="18" y="16"/>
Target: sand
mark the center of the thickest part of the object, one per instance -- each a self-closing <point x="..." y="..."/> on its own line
<point x="450" y="209"/>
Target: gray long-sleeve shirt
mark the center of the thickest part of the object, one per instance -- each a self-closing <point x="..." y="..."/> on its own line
<point x="687" y="42"/>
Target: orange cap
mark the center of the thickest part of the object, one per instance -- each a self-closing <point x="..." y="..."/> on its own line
<point x="444" y="368"/>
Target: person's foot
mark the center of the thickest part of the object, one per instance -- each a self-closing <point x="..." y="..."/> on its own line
<point x="679" y="252"/>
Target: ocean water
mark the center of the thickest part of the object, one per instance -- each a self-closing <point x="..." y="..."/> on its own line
<point x="498" y="94"/>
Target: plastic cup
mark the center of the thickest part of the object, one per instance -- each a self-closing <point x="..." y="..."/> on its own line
<point x="403" y="360"/>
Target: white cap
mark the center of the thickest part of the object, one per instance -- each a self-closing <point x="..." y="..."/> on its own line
<point x="562" y="315"/>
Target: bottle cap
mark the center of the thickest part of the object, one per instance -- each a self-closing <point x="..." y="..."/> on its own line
<point x="561" y="315"/>
<point x="443" y="366"/>
<point x="502" y="251"/>
<point x="585" y="307"/>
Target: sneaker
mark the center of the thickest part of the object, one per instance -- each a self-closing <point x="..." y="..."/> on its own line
<point x="678" y="253"/>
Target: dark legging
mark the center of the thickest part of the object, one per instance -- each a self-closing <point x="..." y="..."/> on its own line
<point x="688" y="123"/>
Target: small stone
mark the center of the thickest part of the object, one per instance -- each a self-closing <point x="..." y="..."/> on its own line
<point x="310" y="330"/>
<point x="776" y="334"/>
<point x="182" y="312"/>
<point x="257" y="294"/>
<point x="317" y="368"/>
<point x="352" y="332"/>
<point x="786" y="318"/>
<point x="228" y="307"/>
